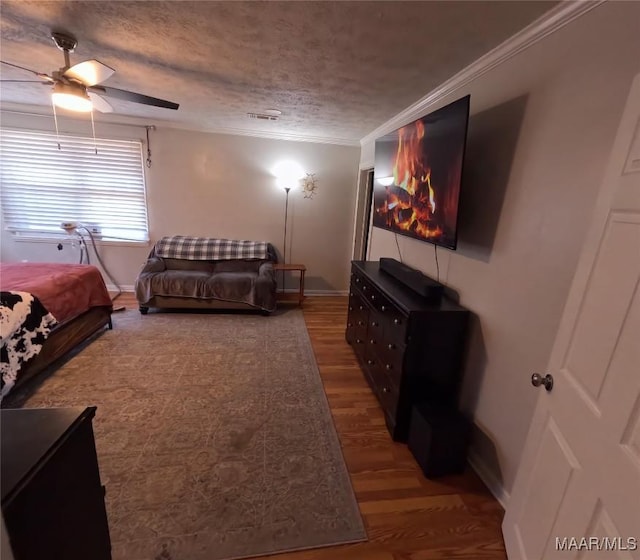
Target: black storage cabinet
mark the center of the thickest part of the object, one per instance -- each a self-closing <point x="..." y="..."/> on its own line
<point x="438" y="439"/>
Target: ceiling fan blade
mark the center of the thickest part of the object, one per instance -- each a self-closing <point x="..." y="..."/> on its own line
<point x="89" y="72"/>
<point x="132" y="96"/>
<point x="39" y="74"/>
<point x="100" y="104"/>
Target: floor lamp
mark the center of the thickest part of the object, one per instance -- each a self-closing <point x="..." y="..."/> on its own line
<point x="284" y="245"/>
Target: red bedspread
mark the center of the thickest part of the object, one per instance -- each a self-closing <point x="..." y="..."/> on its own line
<point x="66" y="290"/>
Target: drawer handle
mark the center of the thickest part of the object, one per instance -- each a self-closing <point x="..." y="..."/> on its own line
<point x="362" y="307"/>
<point x="391" y="347"/>
<point x="383" y="308"/>
<point x="351" y="308"/>
<point x="370" y="362"/>
<point x="373" y="298"/>
<point x="349" y="325"/>
<point x="361" y="323"/>
<point x="396" y="321"/>
<point x="364" y="288"/>
<point x="372" y="341"/>
<point x="389" y="367"/>
<point x="374" y="324"/>
<point x="359" y="341"/>
<point x="357" y="280"/>
<point x="351" y="294"/>
<point x="385" y="389"/>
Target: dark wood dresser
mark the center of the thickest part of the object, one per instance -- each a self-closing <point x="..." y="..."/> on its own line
<point x="52" y="499"/>
<point x="409" y="349"/>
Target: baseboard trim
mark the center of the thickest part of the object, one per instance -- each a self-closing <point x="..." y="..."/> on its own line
<point x="318" y="292"/>
<point x="131" y="288"/>
<point x="124" y="288"/>
<point x="489" y="479"/>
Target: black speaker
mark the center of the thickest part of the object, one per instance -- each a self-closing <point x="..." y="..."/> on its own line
<point x="438" y="439"/>
<point x="412" y="278"/>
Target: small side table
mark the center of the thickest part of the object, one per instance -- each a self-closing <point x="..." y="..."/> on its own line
<point x="299" y="297"/>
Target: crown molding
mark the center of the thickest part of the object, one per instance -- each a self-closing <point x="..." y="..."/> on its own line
<point x="45" y="111"/>
<point x="291" y="137"/>
<point x="555" y="19"/>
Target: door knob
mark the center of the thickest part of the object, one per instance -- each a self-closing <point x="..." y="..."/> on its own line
<point x="547" y="381"/>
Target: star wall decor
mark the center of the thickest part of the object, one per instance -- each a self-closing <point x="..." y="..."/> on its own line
<point x="309" y="185"/>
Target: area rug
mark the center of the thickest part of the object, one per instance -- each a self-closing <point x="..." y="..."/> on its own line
<point x="214" y="436"/>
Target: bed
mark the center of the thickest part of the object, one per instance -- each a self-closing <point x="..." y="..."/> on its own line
<point x="74" y="295"/>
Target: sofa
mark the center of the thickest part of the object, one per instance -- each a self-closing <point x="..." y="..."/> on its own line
<point x="184" y="272"/>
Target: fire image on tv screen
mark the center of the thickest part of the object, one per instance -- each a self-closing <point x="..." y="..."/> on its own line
<point x="417" y="175"/>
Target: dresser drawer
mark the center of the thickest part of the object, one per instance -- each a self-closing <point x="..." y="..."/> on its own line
<point x="357" y="320"/>
<point x="368" y="291"/>
<point x="395" y="326"/>
<point x="392" y="360"/>
<point x="386" y="392"/>
<point x="358" y="283"/>
<point x="376" y="327"/>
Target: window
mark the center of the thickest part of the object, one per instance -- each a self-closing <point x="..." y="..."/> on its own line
<point x="43" y="185"/>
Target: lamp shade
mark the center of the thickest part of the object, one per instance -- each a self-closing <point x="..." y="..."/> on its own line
<point x="72" y="98"/>
<point x="288" y="173"/>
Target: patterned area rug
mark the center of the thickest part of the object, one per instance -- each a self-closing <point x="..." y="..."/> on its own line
<point x="214" y="436"/>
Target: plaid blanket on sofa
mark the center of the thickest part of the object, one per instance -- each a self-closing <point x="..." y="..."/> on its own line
<point x="209" y="249"/>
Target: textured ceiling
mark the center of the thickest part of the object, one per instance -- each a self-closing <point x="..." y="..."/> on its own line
<point x="336" y="70"/>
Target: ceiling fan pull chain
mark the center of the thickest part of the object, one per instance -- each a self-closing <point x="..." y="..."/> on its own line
<point x="149" y="145"/>
<point x="55" y="120"/>
<point x="93" y="129"/>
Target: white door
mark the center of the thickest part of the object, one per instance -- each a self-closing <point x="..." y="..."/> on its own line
<point x="578" y="486"/>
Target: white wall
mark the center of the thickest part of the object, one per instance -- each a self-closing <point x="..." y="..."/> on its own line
<point x="221" y="186"/>
<point x="541" y="130"/>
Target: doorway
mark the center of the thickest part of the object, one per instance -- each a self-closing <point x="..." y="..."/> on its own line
<point x="363" y="215"/>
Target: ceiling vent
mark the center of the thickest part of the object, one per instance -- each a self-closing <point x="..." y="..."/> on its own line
<point x="262" y="117"/>
<point x="268" y="115"/>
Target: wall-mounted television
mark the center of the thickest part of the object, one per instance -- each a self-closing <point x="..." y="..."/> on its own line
<point x="417" y="175"/>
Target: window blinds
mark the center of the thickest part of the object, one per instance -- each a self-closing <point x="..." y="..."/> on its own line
<point x="43" y="186"/>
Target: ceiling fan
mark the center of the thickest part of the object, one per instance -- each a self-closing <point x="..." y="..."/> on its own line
<point x="79" y="88"/>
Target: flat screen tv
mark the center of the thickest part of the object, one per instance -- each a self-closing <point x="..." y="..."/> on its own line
<point x="417" y="176"/>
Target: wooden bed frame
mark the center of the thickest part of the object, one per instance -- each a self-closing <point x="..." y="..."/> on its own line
<point x="64" y="338"/>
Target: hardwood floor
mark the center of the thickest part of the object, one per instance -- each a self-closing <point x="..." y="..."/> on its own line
<point x="407" y="516"/>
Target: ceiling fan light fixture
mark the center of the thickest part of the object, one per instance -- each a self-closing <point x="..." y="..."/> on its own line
<point x="71" y="98"/>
